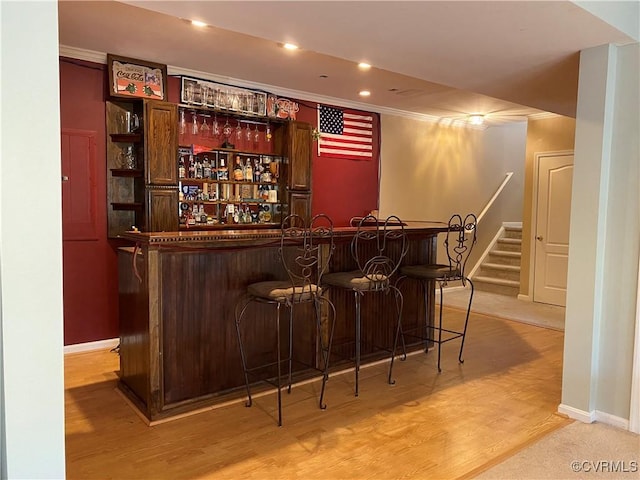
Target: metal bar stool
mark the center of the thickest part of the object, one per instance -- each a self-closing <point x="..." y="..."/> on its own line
<point x="459" y="241"/>
<point x="305" y="251"/>
<point x="377" y="247"/>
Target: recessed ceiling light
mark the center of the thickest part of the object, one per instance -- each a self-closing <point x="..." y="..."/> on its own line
<point x="364" y="66"/>
<point x="198" y="23"/>
<point x="364" y="93"/>
<point x="290" y="46"/>
<point x="476" y="119"/>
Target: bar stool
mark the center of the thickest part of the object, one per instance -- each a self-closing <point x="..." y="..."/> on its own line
<point x="305" y="251"/>
<point x="459" y="241"/>
<point x="377" y="248"/>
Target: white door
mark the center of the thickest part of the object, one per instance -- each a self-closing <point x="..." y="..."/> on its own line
<point x="551" y="244"/>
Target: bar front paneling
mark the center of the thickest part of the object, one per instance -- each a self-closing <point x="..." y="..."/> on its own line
<point x="179" y="349"/>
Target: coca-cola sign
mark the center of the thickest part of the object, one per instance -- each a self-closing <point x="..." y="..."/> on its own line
<point x="129" y="77"/>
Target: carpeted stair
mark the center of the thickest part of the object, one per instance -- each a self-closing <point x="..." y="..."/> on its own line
<point x="500" y="270"/>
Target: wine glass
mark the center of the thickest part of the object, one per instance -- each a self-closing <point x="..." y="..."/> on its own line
<point x="205" y="129"/>
<point x="247" y="133"/>
<point x="215" y="128"/>
<point x="256" y="136"/>
<point x="226" y="129"/>
<point x="238" y="132"/>
<point x="183" y="122"/>
<point x="267" y="132"/>
<point x="194" y="123"/>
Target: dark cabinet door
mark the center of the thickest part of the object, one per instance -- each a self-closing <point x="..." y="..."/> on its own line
<point x="299" y="153"/>
<point x="162" y="209"/>
<point x="300" y="204"/>
<point x="161" y="142"/>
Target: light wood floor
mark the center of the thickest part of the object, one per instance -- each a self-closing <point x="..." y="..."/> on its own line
<point x="427" y="426"/>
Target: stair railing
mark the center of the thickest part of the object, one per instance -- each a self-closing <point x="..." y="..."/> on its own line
<point x="481" y="216"/>
<point x="495" y="195"/>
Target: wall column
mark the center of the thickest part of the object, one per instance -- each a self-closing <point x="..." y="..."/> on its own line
<point x="603" y="252"/>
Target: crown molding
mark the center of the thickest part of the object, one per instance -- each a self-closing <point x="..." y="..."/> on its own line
<point x="82" y="54"/>
<point x="101" y="57"/>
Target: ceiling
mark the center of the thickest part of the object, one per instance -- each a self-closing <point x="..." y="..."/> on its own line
<point x="434" y="59"/>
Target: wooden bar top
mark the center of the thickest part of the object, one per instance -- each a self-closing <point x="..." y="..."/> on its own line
<point x="244" y="236"/>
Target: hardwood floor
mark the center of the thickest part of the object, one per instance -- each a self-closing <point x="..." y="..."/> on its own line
<point x="429" y="425"/>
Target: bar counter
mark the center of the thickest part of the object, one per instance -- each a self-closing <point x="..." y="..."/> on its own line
<point x="177" y="297"/>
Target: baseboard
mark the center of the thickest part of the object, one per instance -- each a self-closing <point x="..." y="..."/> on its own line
<point x="577" y="414"/>
<point x="525" y="298"/>
<point x="594" y="416"/>
<point x="612" y="420"/>
<point x="89" y="346"/>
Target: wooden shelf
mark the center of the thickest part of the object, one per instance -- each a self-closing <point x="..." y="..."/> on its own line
<point x="225" y="202"/>
<point x="126" y="205"/>
<point x="245" y="116"/>
<point x="231" y="151"/>
<point x="126" y="172"/>
<point x="126" y="137"/>
<point x="228" y="182"/>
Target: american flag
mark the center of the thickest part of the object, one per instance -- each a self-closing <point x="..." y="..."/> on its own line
<point x="345" y="133"/>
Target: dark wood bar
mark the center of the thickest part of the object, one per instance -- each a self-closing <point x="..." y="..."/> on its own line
<point x="179" y="349"/>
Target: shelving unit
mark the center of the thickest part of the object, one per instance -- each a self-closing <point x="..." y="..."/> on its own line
<point x="211" y="197"/>
<point x="143" y="196"/>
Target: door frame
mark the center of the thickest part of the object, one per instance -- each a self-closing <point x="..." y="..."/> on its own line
<point x="534" y="211"/>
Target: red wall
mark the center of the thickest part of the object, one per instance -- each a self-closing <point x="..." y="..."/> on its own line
<point x="341" y="189"/>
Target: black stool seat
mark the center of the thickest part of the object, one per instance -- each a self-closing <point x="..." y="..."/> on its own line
<point x="283" y="291"/>
<point x="430" y="272"/>
<point x="356" y="280"/>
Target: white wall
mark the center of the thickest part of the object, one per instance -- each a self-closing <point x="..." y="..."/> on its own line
<point x="604" y="238"/>
<point x="31" y="243"/>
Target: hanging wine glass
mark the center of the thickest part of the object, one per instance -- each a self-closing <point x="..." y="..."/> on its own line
<point x="215" y="128"/>
<point x="226" y="129"/>
<point x="205" y="129"/>
<point x="238" y="131"/>
<point x="256" y="136"/>
<point x="183" y="122"/>
<point x="267" y="132"/>
<point x="194" y="123"/>
<point x="247" y="133"/>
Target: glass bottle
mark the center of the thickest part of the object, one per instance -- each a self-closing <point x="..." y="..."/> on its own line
<point x="182" y="171"/>
<point x="206" y="168"/>
<point x="238" y="173"/>
<point x="248" y="171"/>
<point x="192" y="167"/>
<point x="223" y="171"/>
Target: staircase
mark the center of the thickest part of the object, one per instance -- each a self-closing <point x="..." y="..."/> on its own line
<point x="500" y="269"/>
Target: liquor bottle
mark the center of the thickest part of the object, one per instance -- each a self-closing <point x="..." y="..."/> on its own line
<point x="192" y="167"/>
<point x="223" y="171"/>
<point x="182" y="171"/>
<point x="238" y="173"/>
<point x="257" y="170"/>
<point x="248" y="171"/>
<point x="206" y="168"/>
<point x="198" y="169"/>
